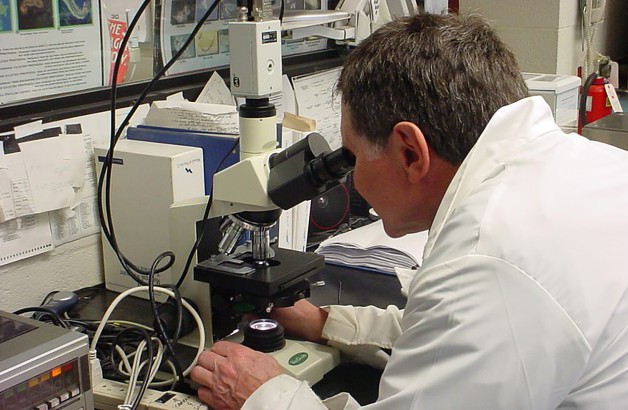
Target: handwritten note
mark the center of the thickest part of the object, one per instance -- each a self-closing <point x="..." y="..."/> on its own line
<point x="193" y="116"/>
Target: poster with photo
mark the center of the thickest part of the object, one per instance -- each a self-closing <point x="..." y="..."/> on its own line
<point x="48" y="47"/>
<point x="210" y="47"/>
<point x="75" y="12"/>
<point x="35" y="15"/>
<point x="178" y="19"/>
<point x="6" y="25"/>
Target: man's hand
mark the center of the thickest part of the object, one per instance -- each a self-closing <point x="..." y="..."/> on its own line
<point x="302" y="320"/>
<point x="229" y="373"/>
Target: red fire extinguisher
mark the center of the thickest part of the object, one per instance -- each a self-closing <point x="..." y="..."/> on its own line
<point x="594" y="102"/>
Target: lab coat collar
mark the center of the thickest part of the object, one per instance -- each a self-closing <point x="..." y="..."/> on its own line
<point x="510" y="128"/>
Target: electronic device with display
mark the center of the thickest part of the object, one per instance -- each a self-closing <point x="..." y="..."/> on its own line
<point x="42" y="366"/>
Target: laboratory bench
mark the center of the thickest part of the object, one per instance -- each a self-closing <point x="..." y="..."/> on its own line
<point x="333" y="285"/>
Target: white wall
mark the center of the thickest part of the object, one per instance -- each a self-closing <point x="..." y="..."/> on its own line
<point x="545" y="35"/>
<point x="71" y="266"/>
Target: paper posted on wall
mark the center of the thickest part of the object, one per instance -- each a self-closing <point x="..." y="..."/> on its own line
<point x="32" y="181"/>
<point x="45" y="200"/>
<point x="316" y="99"/>
<point x="24" y="237"/>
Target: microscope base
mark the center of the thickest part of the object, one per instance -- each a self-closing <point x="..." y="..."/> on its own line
<point x="301" y="359"/>
<point x="307" y="361"/>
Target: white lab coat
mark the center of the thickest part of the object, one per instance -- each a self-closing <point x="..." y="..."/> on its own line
<point x="522" y="299"/>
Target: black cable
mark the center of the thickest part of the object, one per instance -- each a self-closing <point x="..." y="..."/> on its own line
<point x="43" y="302"/>
<point x="179" y="304"/>
<point x="179" y="383"/>
<point x="159" y="328"/>
<point x="128" y="337"/>
<point x="583" y="98"/>
<point x="161" y="332"/>
<point x="105" y="174"/>
<point x="47" y="297"/>
<point x="53" y="315"/>
<point x="203" y="228"/>
<point x="281" y="10"/>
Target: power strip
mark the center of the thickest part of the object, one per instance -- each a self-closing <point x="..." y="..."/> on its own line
<point x="108" y="394"/>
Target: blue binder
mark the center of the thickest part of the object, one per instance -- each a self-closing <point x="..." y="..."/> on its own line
<point x="215" y="145"/>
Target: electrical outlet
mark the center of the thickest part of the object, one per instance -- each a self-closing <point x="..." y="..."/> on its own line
<point x="174" y="400"/>
<point x="109" y="394"/>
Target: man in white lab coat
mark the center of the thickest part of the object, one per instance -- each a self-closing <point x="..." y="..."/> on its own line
<point x="522" y="299"/>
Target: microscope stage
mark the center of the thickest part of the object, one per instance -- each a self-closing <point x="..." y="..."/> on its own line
<point x="241" y="273"/>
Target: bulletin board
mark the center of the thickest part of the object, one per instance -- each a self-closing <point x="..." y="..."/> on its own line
<point x="59" y="47"/>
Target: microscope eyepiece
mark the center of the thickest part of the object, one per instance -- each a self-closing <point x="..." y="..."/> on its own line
<point x="330" y="167"/>
<point x="305" y="170"/>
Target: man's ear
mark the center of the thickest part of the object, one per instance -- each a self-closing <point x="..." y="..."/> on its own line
<point x="410" y="146"/>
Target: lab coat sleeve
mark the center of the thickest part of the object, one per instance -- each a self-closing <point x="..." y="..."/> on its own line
<point x="287" y="393"/>
<point x="481" y="334"/>
<point x="361" y="333"/>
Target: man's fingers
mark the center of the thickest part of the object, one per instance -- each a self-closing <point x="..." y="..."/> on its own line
<point x="201" y="375"/>
<point x="209" y="359"/>
<point x="206" y="396"/>
<point x="225" y="349"/>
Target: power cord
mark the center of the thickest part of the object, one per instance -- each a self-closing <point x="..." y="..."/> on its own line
<point x="56" y="319"/>
<point x="147" y="345"/>
<point x="163" y="336"/>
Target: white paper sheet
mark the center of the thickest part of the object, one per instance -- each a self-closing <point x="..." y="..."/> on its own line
<point x="369" y="247"/>
<point x="315" y="99"/>
<point x="23" y="237"/>
<point x="191" y="116"/>
<point x="55" y="167"/>
<point x="216" y="92"/>
<point x="16" y="198"/>
<point x="70" y="224"/>
<point x="289" y="99"/>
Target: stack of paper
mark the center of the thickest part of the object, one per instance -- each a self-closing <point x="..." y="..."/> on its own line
<point x="369" y="247"/>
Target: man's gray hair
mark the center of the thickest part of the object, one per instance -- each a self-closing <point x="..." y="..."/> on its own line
<point x="447" y="74"/>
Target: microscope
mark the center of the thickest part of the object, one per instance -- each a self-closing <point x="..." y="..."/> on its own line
<point x="249" y="196"/>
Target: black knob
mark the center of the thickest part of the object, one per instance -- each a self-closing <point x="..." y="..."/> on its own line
<point x="264" y="335"/>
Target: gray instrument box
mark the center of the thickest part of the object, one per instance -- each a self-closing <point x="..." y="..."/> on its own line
<point x="42" y="366"/>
